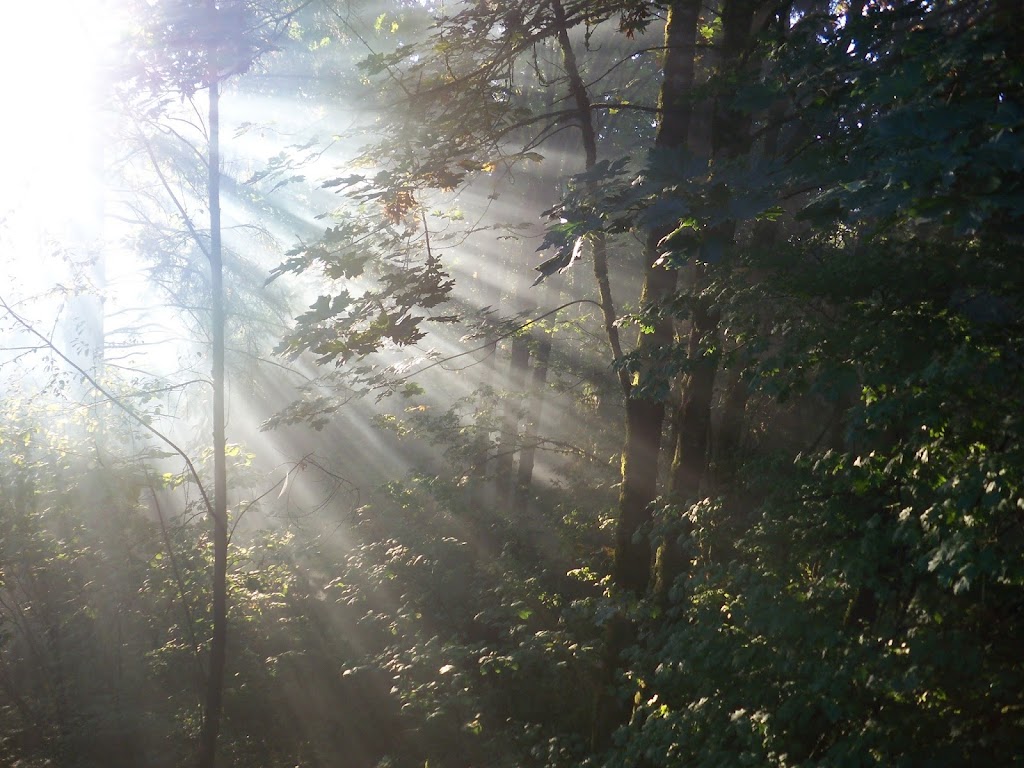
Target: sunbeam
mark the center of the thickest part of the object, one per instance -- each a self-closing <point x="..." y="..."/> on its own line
<point x="549" y="383"/>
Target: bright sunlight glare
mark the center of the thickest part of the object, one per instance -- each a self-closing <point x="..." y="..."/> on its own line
<point x="51" y="137"/>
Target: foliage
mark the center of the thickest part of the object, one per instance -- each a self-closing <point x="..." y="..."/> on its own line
<point x="171" y="52"/>
<point x="345" y="327"/>
<point x="852" y="601"/>
<point x="104" y="609"/>
<point x="851" y="586"/>
<point x="466" y="611"/>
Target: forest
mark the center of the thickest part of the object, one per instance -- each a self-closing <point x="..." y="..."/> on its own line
<point x="479" y="383"/>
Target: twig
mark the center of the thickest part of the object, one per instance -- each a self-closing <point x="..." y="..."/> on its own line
<point x="115" y="400"/>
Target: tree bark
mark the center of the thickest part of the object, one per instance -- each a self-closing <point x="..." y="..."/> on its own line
<point x="730" y="136"/>
<point x="691" y="432"/>
<point x="645" y="412"/>
<point x="729" y="438"/>
<point x="508" y="442"/>
<point x="585" y="118"/>
<point x="693" y="418"/>
<point x="527" y="455"/>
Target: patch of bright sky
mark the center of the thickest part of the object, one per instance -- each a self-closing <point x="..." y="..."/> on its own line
<point x="51" y="134"/>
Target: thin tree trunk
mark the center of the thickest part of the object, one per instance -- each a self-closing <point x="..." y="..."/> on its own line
<point x="527" y="455"/>
<point x="693" y="419"/>
<point x="589" y="137"/>
<point x="508" y="442"/>
<point x="730" y="433"/>
<point x="218" y="645"/>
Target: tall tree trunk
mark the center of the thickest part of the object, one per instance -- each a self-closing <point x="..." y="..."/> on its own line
<point x="645" y="413"/>
<point x="730" y="136"/>
<point x="218" y="644"/>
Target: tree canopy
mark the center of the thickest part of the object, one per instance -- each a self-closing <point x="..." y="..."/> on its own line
<point x="554" y="384"/>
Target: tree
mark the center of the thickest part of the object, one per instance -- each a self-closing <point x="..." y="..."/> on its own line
<point x="805" y="569"/>
<point x="776" y="517"/>
<point x="189" y="46"/>
<point x="468" y="118"/>
<point x="773" y="156"/>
